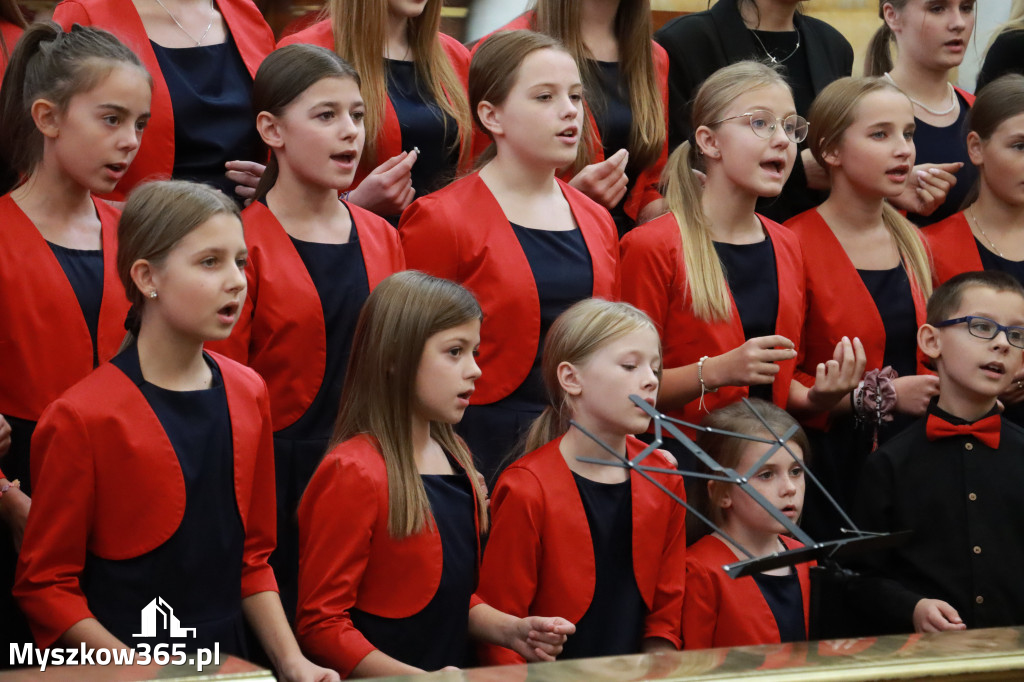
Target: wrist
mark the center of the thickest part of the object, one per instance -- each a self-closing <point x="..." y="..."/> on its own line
<point x="707" y="376"/>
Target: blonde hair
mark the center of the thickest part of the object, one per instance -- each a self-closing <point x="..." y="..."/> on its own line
<point x="360" y="35"/>
<point x="494" y="72"/>
<point x="561" y="19"/>
<point x="833" y="112"/>
<point x="582" y="330"/>
<point x="1015" y="22"/>
<point x="399" y="316"/>
<point x="727" y="451"/>
<point x="705" y="278"/>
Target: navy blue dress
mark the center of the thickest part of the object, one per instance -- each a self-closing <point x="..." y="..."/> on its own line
<point x="782" y="592"/>
<point x="211" y="96"/>
<point x="564" y="274"/>
<point x="614" y="117"/>
<point x="754" y="284"/>
<point x="211" y="534"/>
<point x="614" y="622"/>
<point x="339" y="275"/>
<point x="424" y="125"/>
<point x="437" y="636"/>
<point x="946" y="145"/>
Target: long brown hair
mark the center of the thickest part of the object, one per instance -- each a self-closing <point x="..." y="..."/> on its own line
<point x="53" y="64"/>
<point x="833" y="112"/>
<point x="998" y="101"/>
<point x="399" y="316"/>
<point x="561" y="19"/>
<point x="582" y="330"/>
<point x="705" y="278"/>
<point x="283" y="76"/>
<point x="360" y="35"/>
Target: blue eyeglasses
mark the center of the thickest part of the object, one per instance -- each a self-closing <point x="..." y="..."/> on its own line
<point x="984" y="328"/>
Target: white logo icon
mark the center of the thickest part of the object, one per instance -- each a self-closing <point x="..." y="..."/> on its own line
<point x="156" y="610"/>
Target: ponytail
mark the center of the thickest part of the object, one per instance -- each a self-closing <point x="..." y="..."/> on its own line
<point x="53" y="64"/>
<point x="911" y="248"/>
<point x="878" y="60"/>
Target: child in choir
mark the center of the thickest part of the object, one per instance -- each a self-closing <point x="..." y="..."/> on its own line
<point x="768" y="607"/>
<point x="72" y="112"/>
<point x="987" y="234"/>
<point x="867" y="275"/>
<point x="953" y="477"/>
<point x="390" y="525"/>
<point x="625" y="75"/>
<point x="931" y="38"/>
<point x="419" y="130"/>
<point x="725" y="285"/>
<point x="525" y="243"/>
<point x="313" y="260"/>
<point x="154" y="473"/>
<point x="592" y="541"/>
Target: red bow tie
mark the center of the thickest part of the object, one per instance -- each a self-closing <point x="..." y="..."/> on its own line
<point x="986" y="430"/>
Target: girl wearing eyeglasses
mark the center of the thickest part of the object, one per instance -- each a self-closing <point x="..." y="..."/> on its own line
<point x="986" y="235"/>
<point x="868" y="275"/>
<point x="724" y="284"/>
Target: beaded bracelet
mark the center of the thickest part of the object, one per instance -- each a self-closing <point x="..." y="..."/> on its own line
<point x="7" y="486"/>
<point x="703" y="387"/>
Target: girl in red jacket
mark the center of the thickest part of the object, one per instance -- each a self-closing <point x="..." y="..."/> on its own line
<point x="73" y="109"/>
<point x="155" y="473"/>
<point x="591" y="541"/>
<point x="525" y="243"/>
<point x="389" y="527"/>
<point x="724" y="284"/>
<point x="313" y="260"/>
<point x="768" y="607"/>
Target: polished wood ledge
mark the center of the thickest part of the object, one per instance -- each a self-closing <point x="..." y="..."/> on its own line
<point x="231" y="668"/>
<point x="994" y="654"/>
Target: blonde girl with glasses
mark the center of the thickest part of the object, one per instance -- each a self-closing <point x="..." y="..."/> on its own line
<point x="723" y="284"/>
<point x="867" y="274"/>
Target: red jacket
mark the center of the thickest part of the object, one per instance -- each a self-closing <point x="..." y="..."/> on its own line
<point x="838" y="303"/>
<point x="646" y="188"/>
<point x="106" y="481"/>
<point x="348" y="559"/>
<point x="155" y="159"/>
<point x="720" y="611"/>
<point x="45" y="345"/>
<point x="954" y="249"/>
<point x="654" y="280"/>
<point x="389" y="139"/>
<point x="540" y="556"/>
<point x="282" y="320"/>
<point x="460" y="233"/>
<point x="10" y="34"/>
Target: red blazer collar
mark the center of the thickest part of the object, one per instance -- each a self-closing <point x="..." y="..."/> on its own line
<point x="846" y="296"/>
<point x="54" y="362"/>
<point x="572" y="533"/>
<point x="954" y="249"/>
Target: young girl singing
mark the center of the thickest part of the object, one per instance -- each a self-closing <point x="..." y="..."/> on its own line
<point x="72" y="111"/>
<point x="534" y="245"/>
<point x="157" y="466"/>
<point x="987" y="235"/>
<point x="768" y="607"/>
<point x="419" y="130"/>
<point x="724" y="284"/>
<point x="390" y="524"/>
<point x="931" y="38"/>
<point x="867" y="274"/>
<point x="625" y="75"/>
<point x="595" y="543"/>
<point x="313" y="260"/>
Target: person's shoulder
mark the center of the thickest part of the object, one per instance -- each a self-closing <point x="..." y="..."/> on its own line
<point x="830" y="33"/>
<point x="452" y="46"/>
<point x="244" y="376"/>
<point x="688" y="26"/>
<point x="321" y="33"/>
<point x="709" y="553"/>
<point x="358" y="457"/>
<point x="1014" y="435"/>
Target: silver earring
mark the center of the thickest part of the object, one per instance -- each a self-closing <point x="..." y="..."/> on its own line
<point x="152" y="294"/>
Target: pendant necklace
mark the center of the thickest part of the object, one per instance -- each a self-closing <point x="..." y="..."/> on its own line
<point x="190" y="36"/>
<point x="952" y="97"/>
<point x="769" y="54"/>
